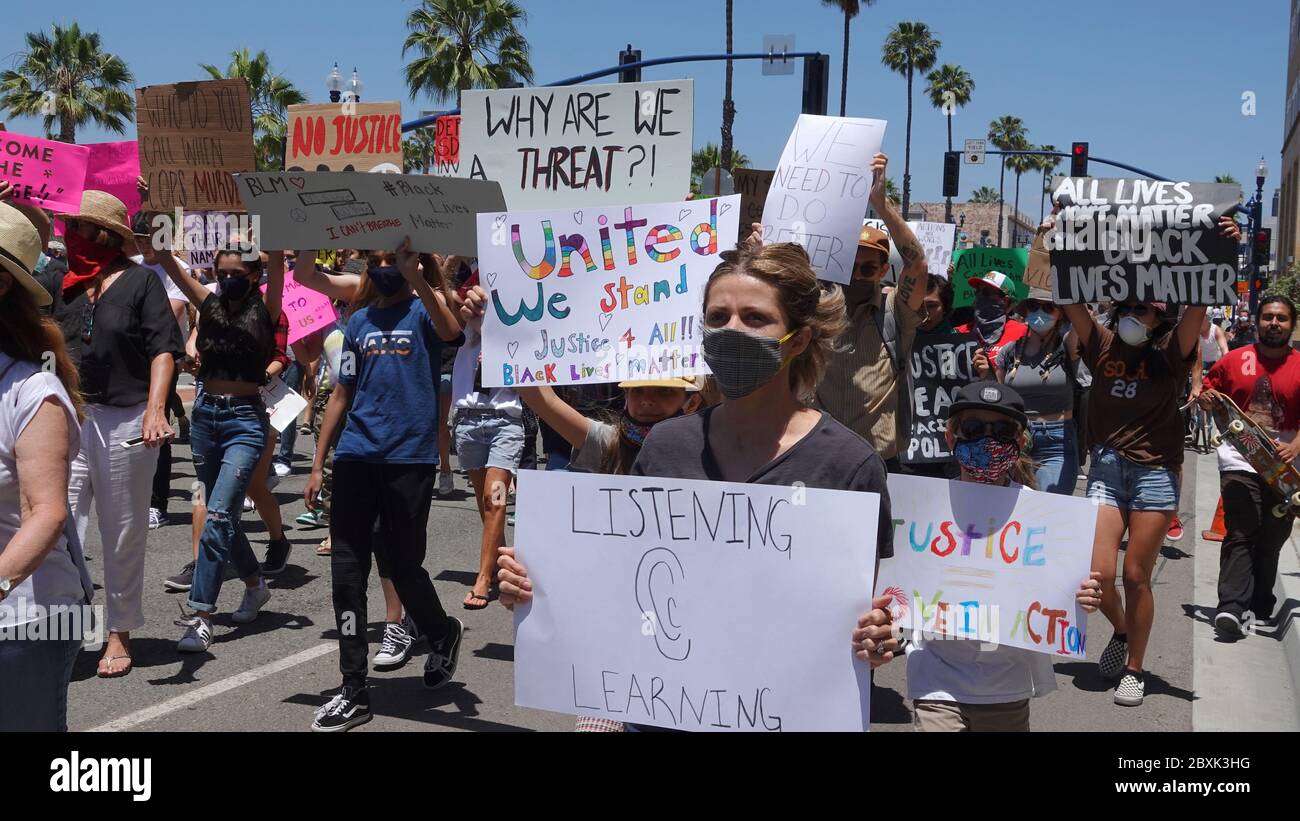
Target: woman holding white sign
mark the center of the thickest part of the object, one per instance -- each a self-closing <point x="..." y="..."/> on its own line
<point x="239" y="332"/>
<point x="958" y="684"/>
<point x="769" y="332"/>
<point x="1139" y="365"/>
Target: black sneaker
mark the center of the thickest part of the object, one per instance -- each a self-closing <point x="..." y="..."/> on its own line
<point x="183" y="580"/>
<point x="440" y="666"/>
<point x="1228" y="625"/>
<point x="343" y="712"/>
<point x="277" y="557"/>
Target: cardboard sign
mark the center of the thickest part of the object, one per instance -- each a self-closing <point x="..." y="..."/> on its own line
<point x="819" y="190"/>
<point x="344" y="137"/>
<point x="578" y="146"/>
<point x="44" y="173"/>
<point x="599" y="294"/>
<point x="308" y="311"/>
<point x="941" y="365"/>
<point x="752" y="185"/>
<point x="206" y="233"/>
<point x="192" y="138"/>
<point x="1144" y="240"/>
<point x="976" y="262"/>
<point x="341" y="209"/>
<point x="993" y="564"/>
<point x="626" y="621"/>
<point x="1038" y="271"/>
<point x="446" y="141"/>
<point x="114" y="167"/>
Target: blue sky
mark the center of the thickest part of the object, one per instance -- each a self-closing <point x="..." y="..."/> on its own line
<point x="1154" y="83"/>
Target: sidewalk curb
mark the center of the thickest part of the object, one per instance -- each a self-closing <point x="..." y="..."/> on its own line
<point x="1287" y="590"/>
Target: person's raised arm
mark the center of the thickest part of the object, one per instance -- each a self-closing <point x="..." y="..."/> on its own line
<point x="335" y="286"/>
<point x="563" y="418"/>
<point x="444" y="321"/>
<point x="274" y="295"/>
<point x="191" y="287"/>
<point x="912" y="279"/>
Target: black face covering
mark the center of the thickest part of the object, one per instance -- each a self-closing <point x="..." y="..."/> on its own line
<point x="990" y="316"/>
<point x="861" y="292"/>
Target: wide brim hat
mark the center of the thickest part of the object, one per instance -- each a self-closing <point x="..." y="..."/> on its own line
<point x="20" y="250"/>
<point x="1038" y="295"/>
<point x="686" y="383"/>
<point x="105" y="210"/>
<point x="875" y="239"/>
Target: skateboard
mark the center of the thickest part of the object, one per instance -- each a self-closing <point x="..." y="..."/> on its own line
<point x="1254" y="443"/>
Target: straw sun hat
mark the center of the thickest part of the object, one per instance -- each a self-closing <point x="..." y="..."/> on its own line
<point x="20" y="249"/>
<point x="102" y="209"/>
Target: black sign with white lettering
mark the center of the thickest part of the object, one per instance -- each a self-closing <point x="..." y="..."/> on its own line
<point x="1143" y="240"/>
<point x="941" y="365"/>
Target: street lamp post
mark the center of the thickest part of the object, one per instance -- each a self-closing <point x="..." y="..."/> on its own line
<point x="354" y="87"/>
<point x="334" y="83"/>
<point x="1256" y="222"/>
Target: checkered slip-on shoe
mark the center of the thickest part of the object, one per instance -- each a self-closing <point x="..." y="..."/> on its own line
<point x="1113" y="657"/>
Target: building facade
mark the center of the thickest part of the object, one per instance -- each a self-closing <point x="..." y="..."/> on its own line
<point x="1288" y="243"/>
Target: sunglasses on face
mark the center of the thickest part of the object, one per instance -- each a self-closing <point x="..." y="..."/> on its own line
<point x="1032" y="305"/>
<point x="871" y="267"/>
<point x="1135" y="310"/>
<point x="1004" y="430"/>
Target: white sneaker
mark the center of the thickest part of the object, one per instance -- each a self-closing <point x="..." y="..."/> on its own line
<point x="198" y="635"/>
<point x="281" y="469"/>
<point x="446" y="484"/>
<point x="248" y="504"/>
<point x="254" y="598"/>
<point x="396" y="647"/>
<point x="1130" y="690"/>
<point x="156" y="518"/>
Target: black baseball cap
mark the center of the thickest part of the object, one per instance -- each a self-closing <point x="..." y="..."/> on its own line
<point x="993" y="396"/>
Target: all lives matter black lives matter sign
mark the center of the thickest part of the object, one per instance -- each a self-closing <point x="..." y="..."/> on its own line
<point x="1143" y="240"/>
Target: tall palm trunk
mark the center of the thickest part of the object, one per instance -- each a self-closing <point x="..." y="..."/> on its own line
<point x="728" y="107"/>
<point x="67" y="129"/>
<point x="844" y="69"/>
<point x="1042" y="198"/>
<point x="1015" y="213"/>
<point x="947" y="202"/>
<point x="907" y="150"/>
<point x="1002" y="181"/>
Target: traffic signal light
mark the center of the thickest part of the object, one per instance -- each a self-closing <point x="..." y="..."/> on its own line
<point x="626" y="57"/>
<point x="1263" y="239"/>
<point x="1079" y="160"/>
<point x="816" y="83"/>
<point x="1258" y="283"/>
<point x="951" y="172"/>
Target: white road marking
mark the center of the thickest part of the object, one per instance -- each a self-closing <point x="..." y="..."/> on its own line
<point x="214" y="689"/>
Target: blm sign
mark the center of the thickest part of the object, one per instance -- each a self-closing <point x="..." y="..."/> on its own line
<point x="1143" y="240"/>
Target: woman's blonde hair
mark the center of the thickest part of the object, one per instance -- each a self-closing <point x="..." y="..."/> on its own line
<point x="1025" y="470"/>
<point x="786" y="267"/>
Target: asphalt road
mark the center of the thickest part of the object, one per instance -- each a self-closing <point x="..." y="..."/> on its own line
<point x="272" y="674"/>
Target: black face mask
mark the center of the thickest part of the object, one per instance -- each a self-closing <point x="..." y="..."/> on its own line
<point x="990" y="316"/>
<point x="388" y="279"/>
<point x="236" y="288"/>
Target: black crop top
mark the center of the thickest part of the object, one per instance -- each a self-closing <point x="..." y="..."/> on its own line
<point x="235" y="348"/>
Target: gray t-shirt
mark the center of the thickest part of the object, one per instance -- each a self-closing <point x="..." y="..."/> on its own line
<point x="600" y="435"/>
<point x="1042" y="379"/>
<point x="831" y="457"/>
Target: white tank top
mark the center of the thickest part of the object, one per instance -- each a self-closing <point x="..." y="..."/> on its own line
<point x="1210" y="347"/>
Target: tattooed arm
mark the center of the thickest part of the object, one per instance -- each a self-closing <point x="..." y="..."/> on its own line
<point x="915" y="274"/>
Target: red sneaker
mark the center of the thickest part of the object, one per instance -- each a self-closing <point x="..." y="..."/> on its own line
<point x="1175" y="529"/>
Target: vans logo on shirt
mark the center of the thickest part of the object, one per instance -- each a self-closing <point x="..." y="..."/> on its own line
<point x="382" y="343"/>
<point x="124" y="775"/>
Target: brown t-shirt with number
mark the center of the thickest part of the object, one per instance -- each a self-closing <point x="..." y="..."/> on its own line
<point x="1131" y="410"/>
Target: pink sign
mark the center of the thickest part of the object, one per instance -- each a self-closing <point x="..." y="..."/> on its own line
<point x="308" y="311"/>
<point x="44" y="173"/>
<point x="114" y="167"/>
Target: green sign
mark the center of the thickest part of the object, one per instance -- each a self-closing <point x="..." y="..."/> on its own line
<point x="976" y="262"/>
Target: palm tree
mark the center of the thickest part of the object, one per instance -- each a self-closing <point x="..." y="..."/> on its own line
<point x="949" y="86"/>
<point x="1005" y="132"/>
<point x="68" y="77"/>
<point x="728" y="105"/>
<point x="463" y="44"/>
<point x="1020" y="164"/>
<point x="891" y="191"/>
<point x="1047" y="164"/>
<point x="419" y="151"/>
<point x="1226" y="179"/>
<point x="984" y="194"/>
<point x="850" y="9"/>
<point x="270" y="95"/>
<point x="909" y="48"/>
<point x="709" y="157"/>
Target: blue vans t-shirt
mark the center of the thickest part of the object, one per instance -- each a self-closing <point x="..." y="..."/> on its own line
<point x="397" y="358"/>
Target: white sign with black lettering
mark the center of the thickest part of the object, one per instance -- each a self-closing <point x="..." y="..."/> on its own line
<point x="630" y="621"/>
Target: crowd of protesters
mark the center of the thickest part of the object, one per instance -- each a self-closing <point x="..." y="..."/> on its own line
<point x="809" y="385"/>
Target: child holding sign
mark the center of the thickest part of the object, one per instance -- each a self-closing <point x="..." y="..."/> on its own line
<point x="958" y="685"/>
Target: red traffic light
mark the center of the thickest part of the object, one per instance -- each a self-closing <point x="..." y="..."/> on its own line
<point x="1079" y="149"/>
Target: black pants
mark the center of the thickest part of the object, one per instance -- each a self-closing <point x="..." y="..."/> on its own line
<point x="162" y="474"/>
<point x="528" y="459"/>
<point x="397" y="497"/>
<point x="1249" y="556"/>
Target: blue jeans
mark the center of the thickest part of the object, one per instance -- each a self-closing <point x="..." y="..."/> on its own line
<point x="1116" y="482"/>
<point x="34" y="675"/>
<point x="289" y="436"/>
<point x="1055" y="449"/>
<point x="227" y="439"/>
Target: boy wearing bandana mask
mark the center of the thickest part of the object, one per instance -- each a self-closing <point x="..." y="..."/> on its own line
<point x="994" y="293"/>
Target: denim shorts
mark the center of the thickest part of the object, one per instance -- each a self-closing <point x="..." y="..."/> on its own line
<point x="1116" y="482"/>
<point x="489" y="441"/>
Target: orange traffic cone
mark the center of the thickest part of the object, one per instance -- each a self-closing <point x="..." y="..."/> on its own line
<point x="1217" y="531"/>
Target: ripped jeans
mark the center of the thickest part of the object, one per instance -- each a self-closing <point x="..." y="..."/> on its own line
<point x="227" y="437"/>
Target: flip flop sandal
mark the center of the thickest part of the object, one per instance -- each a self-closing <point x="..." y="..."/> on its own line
<point x="110" y="660"/>
<point x="324" y="548"/>
<point x="476" y="596"/>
